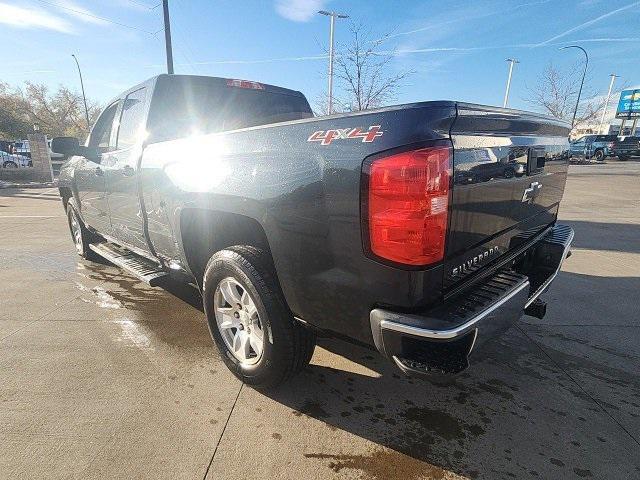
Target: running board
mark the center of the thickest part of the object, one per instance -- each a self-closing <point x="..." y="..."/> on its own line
<point x="140" y="267"/>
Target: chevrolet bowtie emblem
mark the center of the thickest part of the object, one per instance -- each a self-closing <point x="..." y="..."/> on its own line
<point x="531" y="192"/>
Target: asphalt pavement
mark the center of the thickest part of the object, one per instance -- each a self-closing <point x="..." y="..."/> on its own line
<point x="104" y="377"/>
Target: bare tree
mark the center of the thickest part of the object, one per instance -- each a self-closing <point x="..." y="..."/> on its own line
<point x="364" y="75"/>
<point x="556" y="93"/>
<point x="60" y="113"/>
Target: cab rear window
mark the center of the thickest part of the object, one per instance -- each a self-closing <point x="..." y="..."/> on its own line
<point x="183" y="107"/>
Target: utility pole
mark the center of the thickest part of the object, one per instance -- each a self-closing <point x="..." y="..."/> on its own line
<point x="511" y="61"/>
<point x="167" y="36"/>
<point x="332" y="16"/>
<point x="84" y="98"/>
<point x="606" y="103"/>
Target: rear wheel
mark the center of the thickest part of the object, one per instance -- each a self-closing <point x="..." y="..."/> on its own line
<point x="256" y="334"/>
<point x="80" y="235"/>
<point x="598" y="155"/>
<point x="623" y="158"/>
<point x="10" y="164"/>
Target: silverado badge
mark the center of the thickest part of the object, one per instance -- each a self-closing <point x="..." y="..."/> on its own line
<point x="468" y="265"/>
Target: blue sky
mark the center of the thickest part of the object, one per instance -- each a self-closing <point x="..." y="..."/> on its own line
<point x="457" y="49"/>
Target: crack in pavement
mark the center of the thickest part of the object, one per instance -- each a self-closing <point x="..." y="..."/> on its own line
<point x="578" y="384"/>
<point x="215" y="450"/>
<point x="42" y="316"/>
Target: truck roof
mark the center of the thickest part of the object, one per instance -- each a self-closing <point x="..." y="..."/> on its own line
<point x="179" y="78"/>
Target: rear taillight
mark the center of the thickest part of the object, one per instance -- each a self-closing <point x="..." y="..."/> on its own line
<point x="407" y="202"/>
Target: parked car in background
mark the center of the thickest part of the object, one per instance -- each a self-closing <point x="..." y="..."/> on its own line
<point x="12" y="160"/>
<point x="626" y="147"/>
<point x="21" y="147"/>
<point x="597" y="147"/>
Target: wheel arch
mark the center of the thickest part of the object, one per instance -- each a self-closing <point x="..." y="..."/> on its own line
<point x="204" y="232"/>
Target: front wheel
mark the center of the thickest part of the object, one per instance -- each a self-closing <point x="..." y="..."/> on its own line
<point x="80" y="235"/>
<point x="623" y="158"/>
<point x="256" y="334"/>
<point x="10" y="164"/>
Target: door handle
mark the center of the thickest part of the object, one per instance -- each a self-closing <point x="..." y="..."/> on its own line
<point x="99" y="172"/>
<point x="128" y="171"/>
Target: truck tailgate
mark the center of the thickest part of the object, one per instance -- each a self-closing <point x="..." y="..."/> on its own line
<point x="509" y="173"/>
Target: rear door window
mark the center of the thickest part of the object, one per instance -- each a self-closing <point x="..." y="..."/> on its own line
<point x="101" y="133"/>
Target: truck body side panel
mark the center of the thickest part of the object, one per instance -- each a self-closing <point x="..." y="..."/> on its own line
<point x="306" y="197"/>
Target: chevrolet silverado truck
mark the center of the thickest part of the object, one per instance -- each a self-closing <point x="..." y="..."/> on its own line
<point x="419" y="230"/>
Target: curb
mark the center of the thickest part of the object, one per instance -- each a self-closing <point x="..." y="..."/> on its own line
<point x="5" y="185"/>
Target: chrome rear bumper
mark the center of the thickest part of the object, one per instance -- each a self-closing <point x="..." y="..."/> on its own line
<point x="441" y="340"/>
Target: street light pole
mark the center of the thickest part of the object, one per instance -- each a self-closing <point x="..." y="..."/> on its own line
<point x="606" y="103"/>
<point x="332" y="16"/>
<point x="167" y="36"/>
<point x="584" y="74"/>
<point x="84" y="98"/>
<point x="511" y="61"/>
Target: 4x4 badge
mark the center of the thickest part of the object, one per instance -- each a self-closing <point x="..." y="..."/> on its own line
<point x="531" y="192"/>
<point x="328" y="136"/>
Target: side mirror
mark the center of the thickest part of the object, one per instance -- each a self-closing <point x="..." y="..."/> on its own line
<point x="66" y="146"/>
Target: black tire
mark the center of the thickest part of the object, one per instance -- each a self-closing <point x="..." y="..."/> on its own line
<point x="287" y="347"/>
<point x="10" y="164"/>
<point x="509" y="173"/>
<point x="85" y="236"/>
<point x="623" y="158"/>
<point x="598" y="155"/>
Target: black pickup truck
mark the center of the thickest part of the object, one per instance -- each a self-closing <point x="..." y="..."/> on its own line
<point x="625" y="147"/>
<point x="419" y="230"/>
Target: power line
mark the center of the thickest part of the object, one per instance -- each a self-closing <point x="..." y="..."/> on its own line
<point x="145" y="5"/>
<point x="87" y="14"/>
<point x="188" y="52"/>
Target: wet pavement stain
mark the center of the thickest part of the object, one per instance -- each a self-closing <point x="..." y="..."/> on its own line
<point x="311" y="408"/>
<point x="163" y="314"/>
<point x="441" y="423"/>
<point x="384" y="464"/>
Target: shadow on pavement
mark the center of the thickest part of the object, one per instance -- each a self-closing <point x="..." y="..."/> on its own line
<point x="600" y="235"/>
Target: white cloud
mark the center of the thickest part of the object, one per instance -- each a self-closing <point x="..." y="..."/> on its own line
<point x="299" y="10"/>
<point x="24" y="17"/>
<point x="584" y="25"/>
<point x="83" y="14"/>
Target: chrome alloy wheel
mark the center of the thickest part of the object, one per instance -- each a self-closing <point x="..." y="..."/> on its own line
<point x="238" y="321"/>
<point x="76" y="232"/>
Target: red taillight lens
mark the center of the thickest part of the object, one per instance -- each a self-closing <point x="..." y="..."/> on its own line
<point x="408" y="204"/>
<point x="234" y="82"/>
